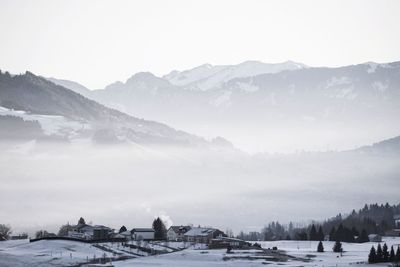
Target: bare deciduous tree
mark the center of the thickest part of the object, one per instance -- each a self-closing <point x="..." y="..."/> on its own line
<point x="5" y="232"/>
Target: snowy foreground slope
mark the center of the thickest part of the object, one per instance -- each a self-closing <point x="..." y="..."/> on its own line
<point x="291" y="253"/>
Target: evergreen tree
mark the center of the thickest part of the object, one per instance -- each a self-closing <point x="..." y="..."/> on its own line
<point x="392" y="256"/>
<point x="340" y="233"/>
<point x="159" y="228"/>
<point x="332" y="234"/>
<point x="385" y="253"/>
<point x="81" y="221"/>
<point x="122" y="229"/>
<point x="313" y="233"/>
<point x="320" y="247"/>
<point x="398" y="254"/>
<point x="337" y="247"/>
<point x="363" y="237"/>
<point x="320" y="234"/>
<point x="372" y="258"/>
<point x="379" y="254"/>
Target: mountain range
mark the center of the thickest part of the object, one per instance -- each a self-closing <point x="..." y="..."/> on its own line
<point x="281" y="104"/>
<point x="36" y="107"/>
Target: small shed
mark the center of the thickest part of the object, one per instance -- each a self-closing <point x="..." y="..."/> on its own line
<point x="396" y="219"/>
<point x="375" y="238"/>
<point x="142" y="233"/>
<point x="393" y="233"/>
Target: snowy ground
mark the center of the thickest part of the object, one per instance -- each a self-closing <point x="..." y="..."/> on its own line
<point x="47" y="253"/>
<point x="300" y="253"/>
<point x="291" y="253"/>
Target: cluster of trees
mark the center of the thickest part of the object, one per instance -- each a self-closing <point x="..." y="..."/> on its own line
<point x="251" y="236"/>
<point x="43" y="233"/>
<point x="5" y="232"/>
<point x="342" y="233"/>
<point x="337" y="247"/>
<point x="18" y="128"/>
<point x="275" y="231"/>
<point x="372" y="218"/>
<point x="382" y="254"/>
<point x="316" y="236"/>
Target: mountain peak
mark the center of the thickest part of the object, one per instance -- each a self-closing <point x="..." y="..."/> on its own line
<point x="144" y="75"/>
<point x="250" y="62"/>
<point x="146" y="78"/>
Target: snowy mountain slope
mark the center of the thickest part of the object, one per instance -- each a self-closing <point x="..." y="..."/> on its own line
<point x="50" y="124"/>
<point x="36" y="98"/>
<point x="388" y="146"/>
<point x="186" y="77"/>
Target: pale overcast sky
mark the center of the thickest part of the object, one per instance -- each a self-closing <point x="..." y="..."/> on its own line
<point x="98" y="42"/>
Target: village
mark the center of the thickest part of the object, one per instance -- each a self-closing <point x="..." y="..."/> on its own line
<point x="87" y="244"/>
<point x="83" y="232"/>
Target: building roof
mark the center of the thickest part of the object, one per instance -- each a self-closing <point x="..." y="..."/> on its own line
<point x="81" y="226"/>
<point x="200" y="231"/>
<point x="119" y="236"/>
<point x="101" y="227"/>
<point x="142" y="230"/>
<point x="85" y="228"/>
<point x="396" y="217"/>
<point x="180" y="229"/>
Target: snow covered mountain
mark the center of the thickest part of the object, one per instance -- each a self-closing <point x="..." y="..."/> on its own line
<point x="206" y="77"/>
<point x="281" y="106"/>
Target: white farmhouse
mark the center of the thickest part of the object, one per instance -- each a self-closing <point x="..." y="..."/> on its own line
<point x="176" y="233"/>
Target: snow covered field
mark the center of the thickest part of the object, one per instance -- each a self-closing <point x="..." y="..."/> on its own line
<point x="51" y="124"/>
<point x="291" y="253"/>
<point x="300" y="253"/>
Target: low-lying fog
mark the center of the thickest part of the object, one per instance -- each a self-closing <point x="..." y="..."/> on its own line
<point x="44" y="186"/>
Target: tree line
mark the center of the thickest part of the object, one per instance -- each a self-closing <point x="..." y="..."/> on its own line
<point x="354" y="227"/>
